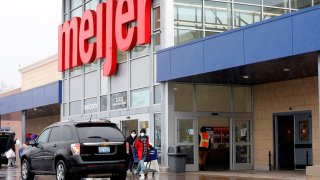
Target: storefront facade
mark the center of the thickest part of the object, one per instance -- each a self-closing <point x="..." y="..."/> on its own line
<point x="173" y="99"/>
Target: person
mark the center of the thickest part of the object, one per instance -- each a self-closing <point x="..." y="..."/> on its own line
<point x="11" y="144"/>
<point x="141" y="145"/>
<point x="129" y="142"/>
<point x="204" y="146"/>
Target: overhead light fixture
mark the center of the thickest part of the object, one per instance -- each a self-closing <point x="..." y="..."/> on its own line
<point x="286" y="69"/>
<point x="245" y="77"/>
<point x="176" y="89"/>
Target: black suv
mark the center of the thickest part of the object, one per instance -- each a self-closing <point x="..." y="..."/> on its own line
<point x="4" y="135"/>
<point x="72" y="150"/>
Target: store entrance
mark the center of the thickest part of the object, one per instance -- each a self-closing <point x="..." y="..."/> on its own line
<point x="293" y="135"/>
<point x="217" y="156"/>
<point x="128" y="126"/>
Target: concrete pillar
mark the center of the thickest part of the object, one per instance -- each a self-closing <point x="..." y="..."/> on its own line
<point x="23" y="125"/>
<point x="312" y="172"/>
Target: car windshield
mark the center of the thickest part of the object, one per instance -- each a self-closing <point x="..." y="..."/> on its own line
<point x="100" y="132"/>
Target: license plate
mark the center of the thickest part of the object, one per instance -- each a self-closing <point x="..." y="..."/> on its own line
<point x="104" y="150"/>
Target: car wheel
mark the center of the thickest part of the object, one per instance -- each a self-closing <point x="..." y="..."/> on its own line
<point x="25" y="171"/>
<point x="61" y="171"/>
<point x="121" y="176"/>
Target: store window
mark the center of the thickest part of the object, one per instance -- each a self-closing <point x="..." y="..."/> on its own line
<point x="242" y="99"/>
<point x="188" y="14"/>
<point x="277" y="3"/>
<point x="91" y="84"/>
<point x="103" y="103"/>
<point x="245" y="14"/>
<point x="76" y="88"/>
<point x="75" y="3"/>
<point x="258" y="2"/>
<point x="76" y="71"/>
<point x="91" y="5"/>
<point x="269" y="12"/>
<point x="122" y="56"/>
<point x="140" y="73"/>
<point x="91" y="67"/>
<point x="157" y="94"/>
<point x="90" y="105"/>
<point x="65" y="109"/>
<point x="140" y="50"/>
<point x="183" y="97"/>
<point x="300" y="4"/>
<point x="186" y="35"/>
<point x="156" y="41"/>
<point x="186" y="131"/>
<point x="76" y="13"/>
<point x="118" y="101"/>
<point x="157" y="134"/>
<point x="75" y="108"/>
<point x="315" y="2"/>
<point x="156" y="18"/>
<point x="213" y="98"/>
<point x="217" y="15"/>
<point x="140" y="98"/>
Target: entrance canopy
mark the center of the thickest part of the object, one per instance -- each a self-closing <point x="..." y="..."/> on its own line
<point x="277" y="49"/>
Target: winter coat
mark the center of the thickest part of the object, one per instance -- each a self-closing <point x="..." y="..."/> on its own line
<point x="139" y="146"/>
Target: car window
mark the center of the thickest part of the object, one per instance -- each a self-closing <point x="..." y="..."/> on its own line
<point x="43" y="137"/>
<point x="67" y="133"/>
<point x="55" y="134"/>
<point x="99" y="131"/>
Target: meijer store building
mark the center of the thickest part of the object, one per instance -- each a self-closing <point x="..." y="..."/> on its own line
<point x="172" y="67"/>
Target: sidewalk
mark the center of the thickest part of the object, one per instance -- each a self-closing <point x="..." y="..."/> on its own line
<point x="279" y="175"/>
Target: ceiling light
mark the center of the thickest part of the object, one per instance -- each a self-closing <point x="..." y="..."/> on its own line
<point x="286" y="69"/>
<point x="245" y="77"/>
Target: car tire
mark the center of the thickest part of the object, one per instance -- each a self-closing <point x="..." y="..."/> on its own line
<point x="25" y="171"/>
<point x="61" y="171"/>
<point x="121" y="176"/>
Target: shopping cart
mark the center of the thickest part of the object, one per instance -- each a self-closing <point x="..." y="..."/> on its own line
<point x="152" y="155"/>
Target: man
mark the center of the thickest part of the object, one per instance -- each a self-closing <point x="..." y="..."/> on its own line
<point x="141" y="146"/>
<point x="129" y="142"/>
<point x="11" y="145"/>
<point x="204" y="146"/>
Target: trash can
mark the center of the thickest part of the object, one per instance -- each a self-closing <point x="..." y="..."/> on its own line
<point x="177" y="159"/>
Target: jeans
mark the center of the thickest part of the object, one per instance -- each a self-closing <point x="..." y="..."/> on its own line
<point x="12" y="161"/>
<point x="141" y="166"/>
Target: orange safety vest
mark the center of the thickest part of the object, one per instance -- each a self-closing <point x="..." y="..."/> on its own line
<point x="204" y="140"/>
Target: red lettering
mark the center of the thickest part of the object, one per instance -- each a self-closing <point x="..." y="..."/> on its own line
<point x="144" y="22"/>
<point x="125" y="14"/>
<point x="69" y="56"/>
<point x="101" y="30"/>
<point x="110" y="65"/>
<point x="110" y="26"/>
<point x="87" y="30"/>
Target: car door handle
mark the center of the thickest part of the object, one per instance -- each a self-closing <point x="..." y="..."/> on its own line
<point x="55" y="145"/>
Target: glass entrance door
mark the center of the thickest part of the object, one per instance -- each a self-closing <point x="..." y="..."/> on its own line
<point x="242" y="144"/>
<point x="186" y="139"/>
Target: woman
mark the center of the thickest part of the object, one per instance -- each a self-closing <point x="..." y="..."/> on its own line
<point x="11" y="144"/>
<point x="142" y="145"/>
<point x="130" y="140"/>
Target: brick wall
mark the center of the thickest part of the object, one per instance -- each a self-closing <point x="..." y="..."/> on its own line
<point x="299" y="95"/>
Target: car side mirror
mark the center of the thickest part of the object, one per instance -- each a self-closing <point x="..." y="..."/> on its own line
<point x="32" y="143"/>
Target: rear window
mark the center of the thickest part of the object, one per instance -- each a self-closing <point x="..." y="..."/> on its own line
<point x="96" y="131"/>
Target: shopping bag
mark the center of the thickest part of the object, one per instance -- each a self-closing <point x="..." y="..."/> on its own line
<point x="10" y="153"/>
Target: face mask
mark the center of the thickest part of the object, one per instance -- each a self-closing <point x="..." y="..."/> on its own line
<point x="142" y="134"/>
<point x="133" y="135"/>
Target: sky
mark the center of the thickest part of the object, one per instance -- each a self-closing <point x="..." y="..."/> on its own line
<point x="28" y="33"/>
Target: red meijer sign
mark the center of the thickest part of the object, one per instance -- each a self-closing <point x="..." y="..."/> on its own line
<point x="110" y="26"/>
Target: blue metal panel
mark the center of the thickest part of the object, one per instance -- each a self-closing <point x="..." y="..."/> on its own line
<point x="268" y="41"/>
<point x="187" y="60"/>
<point x="40" y="96"/>
<point x="163" y="73"/>
<point x="279" y="37"/>
<point x="306" y="29"/>
<point x="217" y="56"/>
